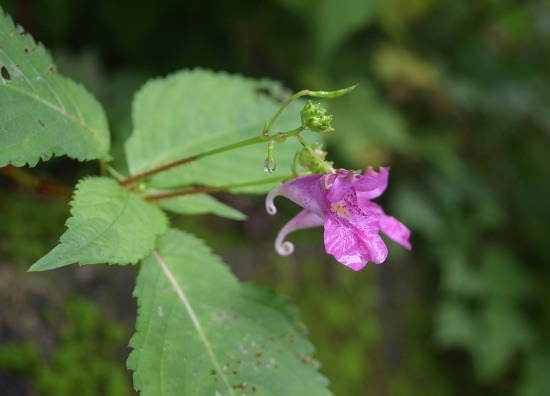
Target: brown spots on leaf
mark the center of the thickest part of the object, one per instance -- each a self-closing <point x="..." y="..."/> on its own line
<point x="307" y="360"/>
<point x="42" y="123"/>
<point x="224" y="317"/>
<point x="16" y="72"/>
<point x="22" y="33"/>
<point x="29" y="50"/>
<point x="291" y="337"/>
<point x="214" y="375"/>
<point x="241" y="387"/>
<point x="51" y="70"/>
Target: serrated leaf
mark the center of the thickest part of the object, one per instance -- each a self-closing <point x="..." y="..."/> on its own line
<point x="43" y="113"/>
<point x="194" y="111"/>
<point x="200" y="204"/>
<point x="201" y="332"/>
<point x="108" y="224"/>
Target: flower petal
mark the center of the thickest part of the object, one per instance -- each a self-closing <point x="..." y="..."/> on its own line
<point x="306" y="191"/>
<point x="389" y="225"/>
<point x="395" y="230"/>
<point x="351" y="246"/>
<point x="367" y="183"/>
<point x="381" y="179"/>
<point x="338" y="184"/>
<point x="304" y="219"/>
<point x="375" y="244"/>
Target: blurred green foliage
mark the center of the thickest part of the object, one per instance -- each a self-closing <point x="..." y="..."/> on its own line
<point x="453" y="95"/>
<point x="82" y="363"/>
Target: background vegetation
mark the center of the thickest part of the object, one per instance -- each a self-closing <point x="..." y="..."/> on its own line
<point x="453" y="95"/>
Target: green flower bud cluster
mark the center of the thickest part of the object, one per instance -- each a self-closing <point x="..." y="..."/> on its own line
<point x="314" y="118"/>
<point x="313" y="158"/>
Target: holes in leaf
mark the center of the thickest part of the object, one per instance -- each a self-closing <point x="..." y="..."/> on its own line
<point x="6" y="76"/>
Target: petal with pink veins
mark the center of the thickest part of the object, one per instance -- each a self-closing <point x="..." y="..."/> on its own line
<point x="341" y="241"/>
<point x="381" y="178"/>
<point x="306" y="191"/>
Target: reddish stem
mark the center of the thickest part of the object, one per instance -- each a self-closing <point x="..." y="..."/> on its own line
<point x="35" y="183"/>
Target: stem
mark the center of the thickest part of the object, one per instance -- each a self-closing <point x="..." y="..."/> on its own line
<point x="209" y="189"/>
<point x="116" y="174"/>
<point x="264" y="136"/>
<point x="233" y="146"/>
<point x="303" y="92"/>
<point x="186" y="160"/>
<point x="103" y="168"/>
<point x="26" y="179"/>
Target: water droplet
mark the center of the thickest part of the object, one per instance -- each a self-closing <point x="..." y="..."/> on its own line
<point x="269" y="165"/>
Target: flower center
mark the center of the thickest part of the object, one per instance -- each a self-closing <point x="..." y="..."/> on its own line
<point x="340" y="210"/>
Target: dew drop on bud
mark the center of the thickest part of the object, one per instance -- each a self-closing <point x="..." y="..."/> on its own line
<point x="269" y="165"/>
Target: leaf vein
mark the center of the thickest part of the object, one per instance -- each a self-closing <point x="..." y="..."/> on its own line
<point x="194" y="318"/>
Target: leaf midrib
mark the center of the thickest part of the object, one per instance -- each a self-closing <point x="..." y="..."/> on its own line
<point x="122" y="209"/>
<point x="194" y="319"/>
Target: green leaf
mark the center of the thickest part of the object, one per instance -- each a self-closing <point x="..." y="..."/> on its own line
<point x="200" y="204"/>
<point x="201" y="332"/>
<point x="194" y="111"/>
<point x="43" y="114"/>
<point x="108" y="225"/>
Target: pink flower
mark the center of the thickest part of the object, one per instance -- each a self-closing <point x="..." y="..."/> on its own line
<point x="341" y="202"/>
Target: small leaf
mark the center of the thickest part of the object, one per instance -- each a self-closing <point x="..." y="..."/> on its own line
<point x="201" y="332"/>
<point x="200" y="204"/>
<point x="108" y="225"/>
<point x="194" y="111"/>
<point x="43" y="114"/>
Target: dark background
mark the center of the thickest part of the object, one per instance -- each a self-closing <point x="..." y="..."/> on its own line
<point x="453" y="95"/>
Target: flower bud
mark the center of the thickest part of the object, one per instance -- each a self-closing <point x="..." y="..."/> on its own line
<point x="314" y="118"/>
<point x="314" y="160"/>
